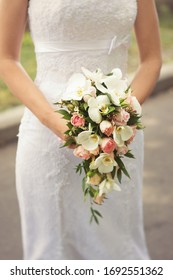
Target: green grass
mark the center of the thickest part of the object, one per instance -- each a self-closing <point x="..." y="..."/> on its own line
<point x="7" y="100"/>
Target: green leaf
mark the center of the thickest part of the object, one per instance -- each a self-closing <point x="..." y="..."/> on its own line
<point x="70" y="126"/>
<point x="122" y="166"/>
<point x="86" y="164"/>
<point x="67" y="132"/>
<point x="94" y="215"/>
<point x="140" y="126"/>
<point x="129" y="155"/>
<point x="65" y="114"/>
<point x="134" y="119"/>
<point x="85" y="106"/>
<point x="119" y="175"/>
<point x="113" y="172"/>
<point x="98" y="213"/>
<point x="79" y="168"/>
<point x="84" y="184"/>
<point x="68" y="142"/>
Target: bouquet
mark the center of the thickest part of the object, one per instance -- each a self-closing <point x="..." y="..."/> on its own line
<point x="102" y="118"/>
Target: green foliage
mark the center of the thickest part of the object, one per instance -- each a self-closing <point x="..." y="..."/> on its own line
<point x="65" y="114"/>
<point x="119" y="175"/>
<point x="95" y="214"/>
<point x="129" y="154"/>
<point x="79" y="168"/>
<point x="122" y="166"/>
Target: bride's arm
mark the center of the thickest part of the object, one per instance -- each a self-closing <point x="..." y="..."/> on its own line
<point x="148" y="39"/>
<point x="13" y="15"/>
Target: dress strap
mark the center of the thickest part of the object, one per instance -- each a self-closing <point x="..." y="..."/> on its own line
<point x="69" y="46"/>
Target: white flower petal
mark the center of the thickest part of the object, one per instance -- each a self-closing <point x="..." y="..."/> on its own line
<point x="103" y="100"/>
<point x="94" y="114"/>
<point x="117" y="138"/>
<point x="100" y="87"/>
<point x="92" y="102"/>
<point x="87" y="73"/>
<point x="105" y="169"/>
<point x="117" y="73"/>
<point x="115" y="99"/>
<point x="126" y="133"/>
<point x="83" y="136"/>
<point x="116" y="187"/>
<point x="136" y="106"/>
<point x="92" y="142"/>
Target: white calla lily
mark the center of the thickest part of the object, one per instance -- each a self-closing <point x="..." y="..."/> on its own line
<point x="116" y="88"/>
<point x="104" y="163"/>
<point x="88" y="140"/>
<point x="107" y="186"/>
<point x="77" y="87"/>
<point x="122" y="134"/>
<point x="136" y="106"/>
<point x="93" y="110"/>
<point x="98" y="106"/>
<point x="117" y="73"/>
<point x="97" y="77"/>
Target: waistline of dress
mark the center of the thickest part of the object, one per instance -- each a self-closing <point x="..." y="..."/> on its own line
<point x="69" y="46"/>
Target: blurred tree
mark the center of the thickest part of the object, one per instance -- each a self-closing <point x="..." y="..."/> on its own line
<point x="169" y="3"/>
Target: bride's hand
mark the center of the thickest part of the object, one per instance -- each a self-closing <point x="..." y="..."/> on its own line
<point x="58" y="125"/>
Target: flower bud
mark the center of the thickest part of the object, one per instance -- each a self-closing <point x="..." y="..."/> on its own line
<point x="99" y="199"/>
<point x="106" y="127"/>
<point x="94" y="180"/>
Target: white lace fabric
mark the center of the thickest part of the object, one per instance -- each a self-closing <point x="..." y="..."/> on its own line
<point x="69" y="34"/>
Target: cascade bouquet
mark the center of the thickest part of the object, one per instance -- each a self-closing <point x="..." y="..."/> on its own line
<point x="102" y="116"/>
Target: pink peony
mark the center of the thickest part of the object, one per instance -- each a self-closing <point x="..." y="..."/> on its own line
<point x="81" y="153"/>
<point x="106" y="127"/>
<point x="121" y="118"/>
<point x="108" y="145"/>
<point x="77" y="120"/>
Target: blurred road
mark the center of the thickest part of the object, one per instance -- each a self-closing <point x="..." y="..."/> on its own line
<point x="158" y="184"/>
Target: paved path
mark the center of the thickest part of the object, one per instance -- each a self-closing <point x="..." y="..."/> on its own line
<point x="158" y="185"/>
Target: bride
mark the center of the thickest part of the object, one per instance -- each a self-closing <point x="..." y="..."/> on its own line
<point x="69" y="35"/>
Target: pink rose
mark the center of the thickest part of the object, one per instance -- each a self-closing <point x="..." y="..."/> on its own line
<point x="106" y="127"/>
<point x="133" y="136"/>
<point x="81" y="153"/>
<point x="77" y="120"/>
<point x="121" y="118"/>
<point x="122" y="150"/>
<point x="108" y="145"/>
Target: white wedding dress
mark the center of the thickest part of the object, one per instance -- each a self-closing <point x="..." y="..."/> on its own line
<point x="68" y="34"/>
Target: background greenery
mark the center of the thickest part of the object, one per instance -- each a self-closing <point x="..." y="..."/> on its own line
<point x="165" y="10"/>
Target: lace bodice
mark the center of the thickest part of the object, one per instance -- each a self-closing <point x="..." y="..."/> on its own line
<point x="70" y="22"/>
